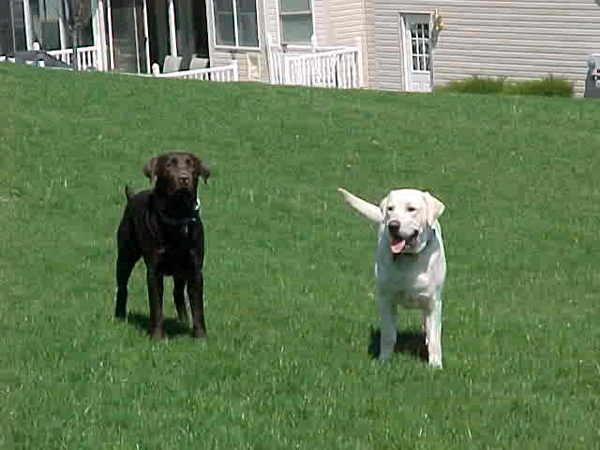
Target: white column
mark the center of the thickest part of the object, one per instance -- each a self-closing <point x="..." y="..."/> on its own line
<point x="110" y="36"/>
<point x="359" y="62"/>
<point x="97" y="32"/>
<point x="236" y="70"/>
<point x="172" y="29"/>
<point x="235" y="23"/>
<point x="62" y="29"/>
<point x="146" y="39"/>
<point x="102" y="34"/>
<point x="28" y="28"/>
<point x="137" y="39"/>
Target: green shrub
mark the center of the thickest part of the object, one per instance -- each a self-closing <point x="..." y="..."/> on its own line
<point x="549" y="86"/>
<point x="477" y="85"/>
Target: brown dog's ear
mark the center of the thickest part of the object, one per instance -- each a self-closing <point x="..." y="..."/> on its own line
<point x="150" y="169"/>
<point x="202" y="170"/>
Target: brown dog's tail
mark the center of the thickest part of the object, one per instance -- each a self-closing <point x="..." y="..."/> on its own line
<point x="129" y="193"/>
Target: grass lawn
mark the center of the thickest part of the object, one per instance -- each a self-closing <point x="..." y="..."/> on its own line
<point x="289" y="268"/>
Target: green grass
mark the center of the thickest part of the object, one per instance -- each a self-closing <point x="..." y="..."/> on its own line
<point x="549" y="86"/>
<point x="289" y="268"/>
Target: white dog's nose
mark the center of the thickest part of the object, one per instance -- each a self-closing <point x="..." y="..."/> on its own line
<point x="394" y="226"/>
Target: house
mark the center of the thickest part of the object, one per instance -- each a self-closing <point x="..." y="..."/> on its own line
<point x="244" y="30"/>
<point x="409" y="45"/>
<point x="131" y="35"/>
<point x="525" y="39"/>
<point x="123" y="35"/>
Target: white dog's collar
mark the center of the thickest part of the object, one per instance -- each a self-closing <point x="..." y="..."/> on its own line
<point x="409" y="253"/>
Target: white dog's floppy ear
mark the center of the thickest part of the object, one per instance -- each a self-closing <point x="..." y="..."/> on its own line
<point x="435" y="208"/>
<point x="383" y="204"/>
<point x="367" y="209"/>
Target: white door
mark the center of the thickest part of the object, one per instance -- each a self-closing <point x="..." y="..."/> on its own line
<point x="417" y="42"/>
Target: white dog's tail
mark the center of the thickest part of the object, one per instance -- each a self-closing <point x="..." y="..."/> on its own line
<point x="369" y="210"/>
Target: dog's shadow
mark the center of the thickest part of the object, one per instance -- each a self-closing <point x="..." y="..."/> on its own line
<point x="408" y="342"/>
<point x="172" y="327"/>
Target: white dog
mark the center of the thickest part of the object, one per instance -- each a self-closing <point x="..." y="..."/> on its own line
<point x="410" y="265"/>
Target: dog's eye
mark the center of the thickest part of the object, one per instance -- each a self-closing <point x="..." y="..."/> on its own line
<point x="390" y="208"/>
<point x="411" y="209"/>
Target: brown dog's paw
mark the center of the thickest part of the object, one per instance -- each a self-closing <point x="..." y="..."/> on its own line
<point x="199" y="333"/>
<point x="157" y="334"/>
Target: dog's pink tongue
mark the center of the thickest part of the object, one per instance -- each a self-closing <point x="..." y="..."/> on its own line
<point x="396" y="246"/>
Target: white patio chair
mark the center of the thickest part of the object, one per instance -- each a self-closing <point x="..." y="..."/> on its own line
<point x="198" y="63"/>
<point x="172" y="64"/>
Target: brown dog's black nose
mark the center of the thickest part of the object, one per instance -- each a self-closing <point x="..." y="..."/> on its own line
<point x="184" y="179"/>
<point x="394" y="226"/>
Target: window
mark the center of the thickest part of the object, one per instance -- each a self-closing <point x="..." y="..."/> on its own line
<point x="45" y="16"/>
<point x="296" y="21"/>
<point x="419" y="37"/>
<point x="235" y="23"/>
<point x="7" y="44"/>
<point x="12" y="27"/>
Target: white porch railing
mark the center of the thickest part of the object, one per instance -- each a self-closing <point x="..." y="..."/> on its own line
<point x="220" y="74"/>
<point x="329" y="67"/>
<point x="87" y="57"/>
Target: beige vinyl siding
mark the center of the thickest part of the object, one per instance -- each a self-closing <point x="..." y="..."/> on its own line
<point x="349" y="21"/>
<point x="518" y="39"/>
<point x="369" y="56"/>
<point x="388" y="55"/>
<point x="321" y="21"/>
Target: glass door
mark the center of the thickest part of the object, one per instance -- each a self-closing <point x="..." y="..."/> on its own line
<point x="128" y="35"/>
<point x="417" y="49"/>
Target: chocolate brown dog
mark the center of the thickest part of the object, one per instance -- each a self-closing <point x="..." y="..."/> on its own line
<point x="163" y="226"/>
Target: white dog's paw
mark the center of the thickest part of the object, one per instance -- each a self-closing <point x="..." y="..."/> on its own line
<point x="385" y="353"/>
<point x="435" y="364"/>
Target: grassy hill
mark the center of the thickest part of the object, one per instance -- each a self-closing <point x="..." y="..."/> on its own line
<point x="289" y="269"/>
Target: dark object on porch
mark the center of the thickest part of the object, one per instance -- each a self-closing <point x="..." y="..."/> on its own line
<point x="39" y="58"/>
<point x="592" y="79"/>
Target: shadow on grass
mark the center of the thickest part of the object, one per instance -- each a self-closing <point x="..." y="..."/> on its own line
<point x="408" y="342"/>
<point x="173" y="327"/>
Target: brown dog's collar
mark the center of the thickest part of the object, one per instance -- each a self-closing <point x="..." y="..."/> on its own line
<point x="175" y="222"/>
<point x="184" y="223"/>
